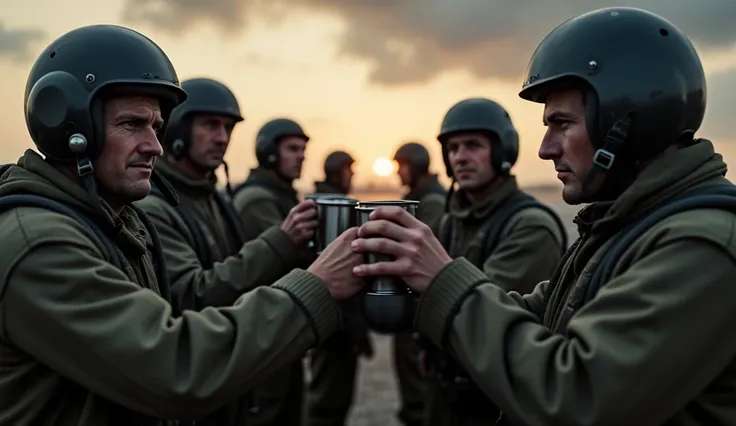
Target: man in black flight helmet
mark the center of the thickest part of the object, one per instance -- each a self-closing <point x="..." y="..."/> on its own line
<point x="91" y="334"/>
<point x="262" y="201"/>
<point x="202" y="238"/>
<point x="496" y="226"/>
<point x="635" y="326"/>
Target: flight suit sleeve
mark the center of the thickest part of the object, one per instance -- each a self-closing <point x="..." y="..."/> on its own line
<point x="95" y="327"/>
<point x="430" y="211"/>
<point x="262" y="214"/>
<point x="259" y="262"/>
<point x="527" y="252"/>
<point x="534" y="302"/>
<point x="645" y="335"/>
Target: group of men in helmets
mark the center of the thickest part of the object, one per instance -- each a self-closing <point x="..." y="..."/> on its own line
<point x="134" y="293"/>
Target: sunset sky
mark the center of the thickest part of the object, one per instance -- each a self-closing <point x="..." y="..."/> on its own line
<point x="359" y="75"/>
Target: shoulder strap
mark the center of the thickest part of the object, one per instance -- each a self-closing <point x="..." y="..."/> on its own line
<point x="518" y="202"/>
<point x="94" y="231"/>
<point x="444" y="231"/>
<point x="719" y="196"/>
<point x="9" y="202"/>
<point x="231" y="218"/>
<point x="200" y="242"/>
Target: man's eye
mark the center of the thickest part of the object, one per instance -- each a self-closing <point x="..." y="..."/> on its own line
<point x="559" y="124"/>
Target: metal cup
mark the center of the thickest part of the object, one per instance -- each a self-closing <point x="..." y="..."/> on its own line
<point x="388" y="303"/>
<point x="335" y="215"/>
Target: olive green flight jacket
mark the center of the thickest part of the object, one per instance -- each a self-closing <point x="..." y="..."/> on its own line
<point x="236" y="270"/>
<point x="529" y="246"/>
<point x="656" y="346"/>
<point x="83" y="343"/>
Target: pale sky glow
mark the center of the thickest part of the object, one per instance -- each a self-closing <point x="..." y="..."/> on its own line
<point x="293" y="69"/>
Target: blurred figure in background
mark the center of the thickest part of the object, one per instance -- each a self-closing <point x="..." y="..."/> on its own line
<point x="206" y="257"/>
<point x="515" y="240"/>
<point x="334" y="364"/>
<point x="413" y="160"/>
<point x="262" y="201"/>
<point x="338" y="174"/>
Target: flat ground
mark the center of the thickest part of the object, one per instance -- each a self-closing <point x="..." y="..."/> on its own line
<point x="377" y="398"/>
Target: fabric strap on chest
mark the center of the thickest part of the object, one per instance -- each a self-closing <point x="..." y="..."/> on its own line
<point x="490" y="233"/>
<point x="96" y="233"/>
<point x="719" y="196"/>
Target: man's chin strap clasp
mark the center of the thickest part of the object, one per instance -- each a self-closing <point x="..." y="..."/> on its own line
<point x="605" y="156"/>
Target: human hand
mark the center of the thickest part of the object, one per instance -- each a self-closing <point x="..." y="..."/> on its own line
<point x="301" y="222"/>
<point x="392" y="231"/>
<point x="335" y="266"/>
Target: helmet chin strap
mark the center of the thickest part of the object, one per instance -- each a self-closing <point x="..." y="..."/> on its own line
<point x="451" y="191"/>
<point x="228" y="186"/>
<point x="604" y="158"/>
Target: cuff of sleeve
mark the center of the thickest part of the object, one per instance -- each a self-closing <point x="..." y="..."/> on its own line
<point x="282" y="245"/>
<point x="444" y="296"/>
<point x="311" y="295"/>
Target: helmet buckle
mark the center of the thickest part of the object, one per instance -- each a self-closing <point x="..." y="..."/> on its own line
<point x="604" y="159"/>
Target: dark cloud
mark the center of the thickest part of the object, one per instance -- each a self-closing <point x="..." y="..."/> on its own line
<point x="720" y="119"/>
<point x="177" y="16"/>
<point x="17" y="44"/>
<point x="415" y="40"/>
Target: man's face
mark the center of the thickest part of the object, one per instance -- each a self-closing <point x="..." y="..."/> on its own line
<point x="405" y="173"/>
<point x="210" y="139"/>
<point x="568" y="145"/>
<point x="470" y="159"/>
<point x="291" y="156"/>
<point x="125" y="164"/>
<point x="346" y="177"/>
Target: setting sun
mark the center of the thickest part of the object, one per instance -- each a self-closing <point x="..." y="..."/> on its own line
<point x="383" y="167"/>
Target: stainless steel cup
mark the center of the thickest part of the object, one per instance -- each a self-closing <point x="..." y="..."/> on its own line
<point x="388" y="303"/>
<point x="335" y="214"/>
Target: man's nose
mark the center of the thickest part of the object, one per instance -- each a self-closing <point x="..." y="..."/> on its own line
<point x="151" y="145"/>
<point x="221" y="134"/>
<point x="549" y="148"/>
<point x="461" y="154"/>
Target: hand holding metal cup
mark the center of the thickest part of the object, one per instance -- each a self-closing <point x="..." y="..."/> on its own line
<point x="335" y="215"/>
<point x="388" y="303"/>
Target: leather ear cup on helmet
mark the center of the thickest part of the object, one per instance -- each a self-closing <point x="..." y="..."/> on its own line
<point x="509" y="150"/>
<point x="57" y="107"/>
<point x="178" y="147"/>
